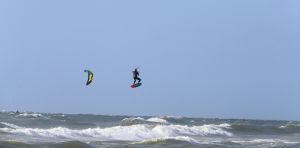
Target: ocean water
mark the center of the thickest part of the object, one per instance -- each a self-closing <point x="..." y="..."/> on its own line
<point x="45" y="130"/>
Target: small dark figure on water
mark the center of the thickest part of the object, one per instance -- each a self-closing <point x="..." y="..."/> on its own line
<point x="136" y="75"/>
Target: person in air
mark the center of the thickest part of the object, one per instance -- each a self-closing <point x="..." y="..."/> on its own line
<point x="136" y="75"/>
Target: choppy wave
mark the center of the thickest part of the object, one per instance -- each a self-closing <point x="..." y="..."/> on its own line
<point x="30" y="115"/>
<point x="167" y="140"/>
<point x="68" y="144"/>
<point x="127" y="133"/>
<point x="290" y="126"/>
<point x="140" y="120"/>
<point x="265" y="141"/>
<point x="267" y="129"/>
<point x="172" y="117"/>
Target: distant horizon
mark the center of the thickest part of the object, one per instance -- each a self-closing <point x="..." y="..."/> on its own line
<point x="159" y="116"/>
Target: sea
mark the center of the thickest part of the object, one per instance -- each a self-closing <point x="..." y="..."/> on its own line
<point x="58" y="130"/>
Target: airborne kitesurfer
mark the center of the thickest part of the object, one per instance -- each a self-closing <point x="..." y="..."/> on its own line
<point x="136" y="75"/>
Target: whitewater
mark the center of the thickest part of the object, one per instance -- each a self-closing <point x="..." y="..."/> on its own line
<point x="29" y="129"/>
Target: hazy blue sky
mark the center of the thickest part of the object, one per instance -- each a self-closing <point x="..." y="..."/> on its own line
<point x="200" y="58"/>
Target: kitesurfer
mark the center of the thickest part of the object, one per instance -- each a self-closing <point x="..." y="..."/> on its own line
<point x="136" y="75"/>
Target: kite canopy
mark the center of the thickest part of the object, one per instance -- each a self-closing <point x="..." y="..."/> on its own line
<point x="90" y="77"/>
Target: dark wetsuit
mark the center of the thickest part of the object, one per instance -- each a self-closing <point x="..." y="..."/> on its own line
<point x="135" y="76"/>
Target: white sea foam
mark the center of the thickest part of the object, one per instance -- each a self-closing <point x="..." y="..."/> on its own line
<point x="130" y="133"/>
<point x="137" y="119"/>
<point x="157" y="120"/>
<point x="34" y="115"/>
<point x="210" y="129"/>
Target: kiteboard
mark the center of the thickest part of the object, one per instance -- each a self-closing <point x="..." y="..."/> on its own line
<point x="136" y="85"/>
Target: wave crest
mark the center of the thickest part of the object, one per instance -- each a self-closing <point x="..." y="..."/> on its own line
<point x="290" y="126"/>
<point x="140" y="120"/>
<point x="157" y="120"/>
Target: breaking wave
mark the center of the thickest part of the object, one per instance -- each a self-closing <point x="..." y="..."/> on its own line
<point x="127" y="133"/>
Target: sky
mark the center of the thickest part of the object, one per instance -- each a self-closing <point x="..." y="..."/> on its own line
<point x="197" y="58"/>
